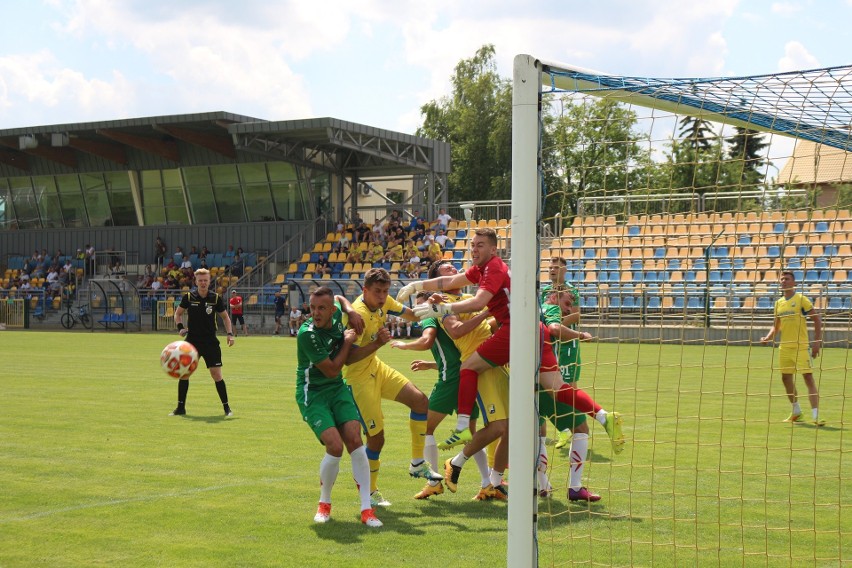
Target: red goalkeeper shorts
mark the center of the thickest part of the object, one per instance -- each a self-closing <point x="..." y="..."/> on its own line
<point x="495" y="349"/>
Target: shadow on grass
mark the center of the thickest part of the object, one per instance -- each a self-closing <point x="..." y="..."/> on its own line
<point x="215" y="419"/>
<point x="350" y="530"/>
<point x="556" y="513"/>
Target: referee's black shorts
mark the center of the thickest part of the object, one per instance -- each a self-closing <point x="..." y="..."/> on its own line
<point x="210" y="351"/>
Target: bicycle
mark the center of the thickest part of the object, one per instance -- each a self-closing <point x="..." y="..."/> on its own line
<point x="69" y="318"/>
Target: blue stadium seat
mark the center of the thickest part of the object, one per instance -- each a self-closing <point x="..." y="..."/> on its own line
<point x="764" y="303"/>
<point x="694" y="303"/>
<point x="821" y="227"/>
<point x="779" y="228"/>
<point x="727" y="276"/>
<point x="738" y="264"/>
<point x="636" y="265"/>
<point x="689" y="276"/>
<point x="794" y="262"/>
<point x="674" y="264"/>
<point x="660" y="252"/>
<point x="830" y="250"/>
<point x="612" y="265"/>
<point x="612" y="253"/>
<point x="615" y="302"/>
<point x="628" y="302"/>
<point x="588" y="301"/>
<point x="577" y="243"/>
<point x="603" y="277"/>
<point x="825" y="276"/>
<point x="679" y="302"/>
<point x="735" y="302"/>
<point x="773" y="251"/>
<point x="655" y="303"/>
<point x="811" y="276"/>
<point x="634" y="231"/>
<point x="715" y="276"/>
<point x="803" y="250"/>
<point x="835" y="303"/>
<point x="589" y="253"/>
<point x="799" y="275"/>
<point x="461" y="234"/>
<point x="821" y="263"/>
<point x="744" y="240"/>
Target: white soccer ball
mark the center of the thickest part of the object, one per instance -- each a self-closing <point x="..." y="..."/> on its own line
<point x="179" y="359"/>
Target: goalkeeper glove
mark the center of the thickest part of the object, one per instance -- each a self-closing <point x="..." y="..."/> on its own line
<point x="424" y="311"/>
<point x="407" y="291"/>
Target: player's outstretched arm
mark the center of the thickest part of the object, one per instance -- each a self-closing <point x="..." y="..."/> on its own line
<point x="422" y="343"/>
<point x="561" y="333"/>
<point x="433" y="285"/>
<point x="457" y="328"/>
<point x="356" y="322"/>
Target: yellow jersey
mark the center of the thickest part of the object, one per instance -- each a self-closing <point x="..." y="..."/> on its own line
<point x="468" y="343"/>
<point x="373" y="322"/>
<point x="793" y="322"/>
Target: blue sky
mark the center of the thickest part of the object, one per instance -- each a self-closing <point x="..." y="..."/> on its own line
<point x="371" y="61"/>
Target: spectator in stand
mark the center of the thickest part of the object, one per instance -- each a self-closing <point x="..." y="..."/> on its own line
<point x="204" y="252"/>
<point x="295" y="320"/>
<point x="355" y="255"/>
<point x="281" y="310"/>
<point x="203" y="264"/>
<point x="236" y="303"/>
<point x="179" y="251"/>
<point x="54" y="288"/>
<point x="90" y="259"/>
<point x="193" y="250"/>
<point x="117" y="270"/>
<point x="395" y="217"/>
<point x="160" y="251"/>
<point x="417" y="222"/>
<point x="148" y="276"/>
<point x="441" y="238"/>
<point x="241" y="252"/>
<point x="80" y="255"/>
<point x="379" y="234"/>
<point x="237" y="267"/>
<point x="362" y="233"/>
<point x="428" y="239"/>
<point x="433" y="253"/>
<point x="375" y="254"/>
<point x="342" y="244"/>
<point x="443" y="220"/>
<point x="306" y="313"/>
<point x="412" y="266"/>
<point x="186" y="267"/>
<point x="323" y="266"/>
<point x="230" y="251"/>
<point x="394" y="253"/>
<point x="52" y="274"/>
<point x="68" y="266"/>
<point x="25" y="288"/>
<point x="340" y="227"/>
<point x="410" y="249"/>
<point x="156" y="285"/>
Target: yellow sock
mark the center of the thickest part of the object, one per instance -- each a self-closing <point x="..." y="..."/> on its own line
<point x="374" y="474"/>
<point x="491" y="449"/>
<point x="418" y="437"/>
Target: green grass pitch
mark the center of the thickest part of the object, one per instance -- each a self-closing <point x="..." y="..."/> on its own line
<point x="94" y="472"/>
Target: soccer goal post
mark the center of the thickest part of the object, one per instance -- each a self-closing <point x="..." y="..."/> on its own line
<point x="674" y="207"/>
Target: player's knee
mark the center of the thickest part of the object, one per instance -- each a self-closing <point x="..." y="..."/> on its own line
<point x="376" y="441"/>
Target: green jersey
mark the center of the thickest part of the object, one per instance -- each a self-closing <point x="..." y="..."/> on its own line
<point x="567" y="352"/>
<point x="445" y="352"/>
<point x="315" y="345"/>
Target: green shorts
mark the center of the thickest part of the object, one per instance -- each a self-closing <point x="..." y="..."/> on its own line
<point x="444" y="398"/>
<point x="563" y="416"/>
<point x="329" y="408"/>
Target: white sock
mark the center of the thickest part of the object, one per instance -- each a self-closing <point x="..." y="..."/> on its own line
<point x="815" y="413"/>
<point x="462" y="422"/>
<point x="481" y="459"/>
<point x="459" y="460"/>
<point x="361" y="473"/>
<point x="601" y="416"/>
<point x="579" y="452"/>
<point x="430" y="451"/>
<point x="796" y="408"/>
<point x="329" y="468"/>
<point x="496" y="478"/>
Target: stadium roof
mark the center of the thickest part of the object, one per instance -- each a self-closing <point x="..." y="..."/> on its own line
<point x="163" y="142"/>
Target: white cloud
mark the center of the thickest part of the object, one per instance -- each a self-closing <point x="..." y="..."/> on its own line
<point x="796" y="58"/>
<point x="36" y="89"/>
<point x="785" y="9"/>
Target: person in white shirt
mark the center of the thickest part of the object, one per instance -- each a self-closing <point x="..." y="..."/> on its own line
<point x="442" y="238"/>
<point x="443" y="220"/>
<point x="295" y="320"/>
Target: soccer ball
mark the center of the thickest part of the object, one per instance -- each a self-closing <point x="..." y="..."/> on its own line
<point x="179" y="359"/>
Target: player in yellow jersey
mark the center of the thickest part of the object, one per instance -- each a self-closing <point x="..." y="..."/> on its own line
<point x="795" y="352"/>
<point x="372" y="380"/>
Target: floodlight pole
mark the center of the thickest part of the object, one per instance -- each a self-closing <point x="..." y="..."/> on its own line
<point x="707" y="278"/>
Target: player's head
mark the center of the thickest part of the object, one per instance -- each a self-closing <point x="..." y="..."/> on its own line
<point x="483" y="246"/>
<point x="787" y="280"/>
<point x="422" y="296"/>
<point x="565" y="299"/>
<point x="557" y="269"/>
<point x="442" y="268"/>
<point x="322" y="306"/>
<point x="202" y="279"/>
<point x="377" y="282"/>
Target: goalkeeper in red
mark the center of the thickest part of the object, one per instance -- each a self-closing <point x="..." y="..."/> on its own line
<point x="494" y="280"/>
<point x="323" y="344"/>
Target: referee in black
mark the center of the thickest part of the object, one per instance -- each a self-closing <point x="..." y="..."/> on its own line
<point x="201" y="306"/>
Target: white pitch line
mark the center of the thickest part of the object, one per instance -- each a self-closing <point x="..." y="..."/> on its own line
<point x="113" y="502"/>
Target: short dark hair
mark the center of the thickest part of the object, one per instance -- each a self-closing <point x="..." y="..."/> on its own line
<point x="423" y="294"/>
<point x="376" y="276"/>
<point x="559" y="259"/>
<point x="433" y="268"/>
<point x="790" y="274"/>
<point x="323" y="291"/>
<point x="488" y="233"/>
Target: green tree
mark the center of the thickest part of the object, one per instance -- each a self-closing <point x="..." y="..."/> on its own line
<point x="476" y="119"/>
<point x="744" y="149"/>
